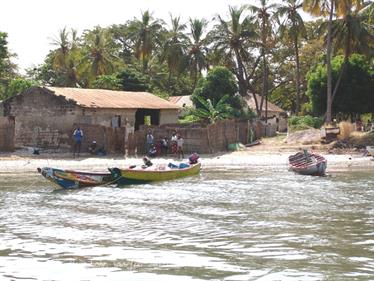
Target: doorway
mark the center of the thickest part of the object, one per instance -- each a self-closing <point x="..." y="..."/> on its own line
<point x="143" y="116"/>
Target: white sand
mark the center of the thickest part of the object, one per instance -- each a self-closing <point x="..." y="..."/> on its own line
<point x="252" y="159"/>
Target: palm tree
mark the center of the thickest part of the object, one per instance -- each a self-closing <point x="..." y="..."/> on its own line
<point x="352" y="34"/>
<point x="65" y="58"/>
<point x="293" y="27"/>
<point x="231" y="39"/>
<point x="175" y="45"/>
<point x="264" y="22"/>
<point x="197" y="48"/>
<point x="145" y="34"/>
<point x="99" y="55"/>
<point x="323" y="8"/>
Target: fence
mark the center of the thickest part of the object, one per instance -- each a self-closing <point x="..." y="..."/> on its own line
<point x="201" y="139"/>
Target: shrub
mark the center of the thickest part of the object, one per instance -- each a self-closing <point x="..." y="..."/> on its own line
<point x="297" y="123"/>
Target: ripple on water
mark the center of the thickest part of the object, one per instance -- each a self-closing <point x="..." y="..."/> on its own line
<point x="262" y="224"/>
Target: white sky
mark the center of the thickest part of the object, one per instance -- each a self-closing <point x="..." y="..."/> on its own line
<point x="31" y="24"/>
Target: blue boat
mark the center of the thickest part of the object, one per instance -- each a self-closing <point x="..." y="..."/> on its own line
<point x="70" y="179"/>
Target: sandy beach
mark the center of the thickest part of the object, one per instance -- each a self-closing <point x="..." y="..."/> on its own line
<point x="263" y="156"/>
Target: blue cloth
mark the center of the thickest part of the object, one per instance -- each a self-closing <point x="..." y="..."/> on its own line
<point x="78" y="135"/>
<point x="183" y="165"/>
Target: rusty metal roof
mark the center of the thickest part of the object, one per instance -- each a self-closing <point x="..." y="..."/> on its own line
<point x="97" y="98"/>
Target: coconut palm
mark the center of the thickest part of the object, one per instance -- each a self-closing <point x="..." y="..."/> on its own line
<point x="264" y="21"/>
<point x="323" y="8"/>
<point x="65" y="59"/>
<point x="352" y="34"/>
<point x="145" y="34"/>
<point x="197" y="50"/>
<point x="231" y="39"/>
<point x="293" y="27"/>
<point x="99" y="56"/>
<point x="175" y="46"/>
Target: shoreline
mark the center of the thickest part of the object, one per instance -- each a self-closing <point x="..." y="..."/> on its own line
<point x="248" y="159"/>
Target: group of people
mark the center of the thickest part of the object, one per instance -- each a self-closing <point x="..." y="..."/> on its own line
<point x="163" y="145"/>
<point x="153" y="149"/>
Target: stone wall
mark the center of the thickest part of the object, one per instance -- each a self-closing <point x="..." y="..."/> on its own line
<point x="7" y="125"/>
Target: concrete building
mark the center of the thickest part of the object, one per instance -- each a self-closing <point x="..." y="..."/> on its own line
<point x="46" y="115"/>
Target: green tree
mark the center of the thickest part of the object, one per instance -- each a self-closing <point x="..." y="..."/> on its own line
<point x="98" y="53"/>
<point x="230" y="40"/>
<point x="323" y="8"/>
<point x="174" y="47"/>
<point x="197" y="49"/>
<point x="264" y="23"/>
<point x="63" y="62"/>
<point x="19" y="85"/>
<point x="8" y="69"/>
<point x="212" y="112"/>
<point x="357" y="86"/>
<point x="109" y="82"/>
<point x="293" y="27"/>
<point x="146" y="35"/>
<point x="133" y="80"/>
<point x="219" y="82"/>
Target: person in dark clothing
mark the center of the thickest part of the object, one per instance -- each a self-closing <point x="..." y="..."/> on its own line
<point x="147" y="163"/>
<point x="78" y="136"/>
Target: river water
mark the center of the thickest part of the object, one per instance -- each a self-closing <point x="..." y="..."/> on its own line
<point x="222" y="225"/>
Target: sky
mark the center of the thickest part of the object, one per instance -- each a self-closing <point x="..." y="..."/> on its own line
<point x="32" y="24"/>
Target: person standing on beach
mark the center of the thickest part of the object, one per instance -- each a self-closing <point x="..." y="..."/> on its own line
<point x="180" y="146"/>
<point x="173" y="141"/>
<point x="149" y="142"/>
<point x="78" y="136"/>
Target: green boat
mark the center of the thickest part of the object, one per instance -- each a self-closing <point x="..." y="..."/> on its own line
<point x="140" y="175"/>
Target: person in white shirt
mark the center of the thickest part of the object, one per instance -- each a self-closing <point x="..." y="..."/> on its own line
<point x="180" y="142"/>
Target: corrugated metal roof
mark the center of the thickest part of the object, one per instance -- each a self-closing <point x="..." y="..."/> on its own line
<point x="271" y="106"/>
<point x="181" y="100"/>
<point x="97" y="98"/>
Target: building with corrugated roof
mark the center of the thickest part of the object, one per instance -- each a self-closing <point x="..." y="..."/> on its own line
<point x="52" y="112"/>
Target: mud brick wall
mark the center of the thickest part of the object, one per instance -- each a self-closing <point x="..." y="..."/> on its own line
<point x="7" y="127"/>
<point x="111" y="139"/>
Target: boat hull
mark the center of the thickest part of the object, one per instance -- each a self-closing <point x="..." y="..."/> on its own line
<point x="69" y="179"/>
<point x="313" y="164"/>
<point x="134" y="176"/>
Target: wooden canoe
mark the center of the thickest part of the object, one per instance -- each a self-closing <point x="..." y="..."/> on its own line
<point x="306" y="163"/>
<point x="70" y="179"/>
<point x="153" y="174"/>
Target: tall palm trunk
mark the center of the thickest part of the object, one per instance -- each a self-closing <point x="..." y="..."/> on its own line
<point x="297" y="59"/>
<point x="329" y="70"/>
<point x="242" y="83"/>
<point x="264" y="71"/>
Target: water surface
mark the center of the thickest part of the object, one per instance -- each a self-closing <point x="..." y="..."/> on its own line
<point x="221" y="225"/>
